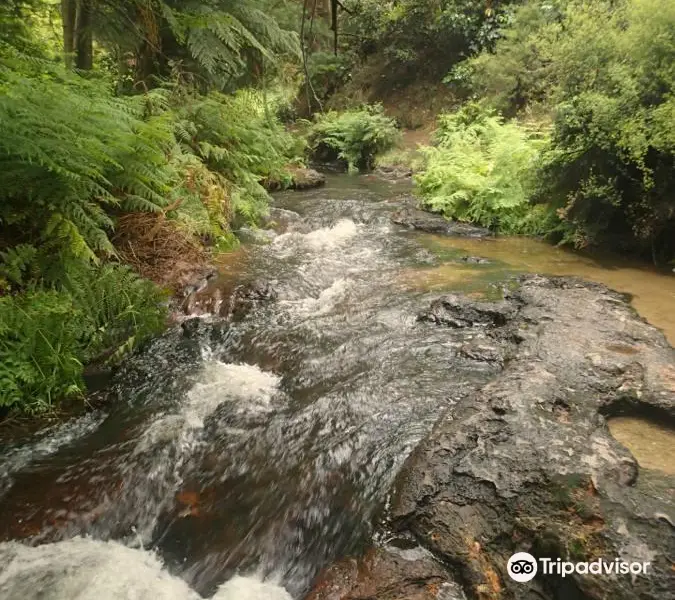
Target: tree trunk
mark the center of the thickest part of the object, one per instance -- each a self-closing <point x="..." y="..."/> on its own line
<point x="334" y="24"/>
<point x="68" y="12"/>
<point x="325" y="10"/>
<point x="84" y="42"/>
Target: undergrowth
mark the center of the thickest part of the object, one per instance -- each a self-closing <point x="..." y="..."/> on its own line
<point x="77" y="164"/>
<point x="354" y="137"/>
<point x="482" y="170"/>
<point x="48" y="334"/>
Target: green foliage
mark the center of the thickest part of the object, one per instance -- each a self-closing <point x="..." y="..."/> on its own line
<point x="423" y="38"/>
<point x="328" y="73"/>
<point x="73" y="159"/>
<point x="70" y="153"/>
<point x="28" y="26"/>
<point x="605" y="69"/>
<point x="117" y="308"/>
<point x="612" y="158"/>
<point x="481" y="171"/>
<point x="47" y="334"/>
<point x="238" y="137"/>
<point x="520" y="71"/>
<point x="355" y="137"/>
<point x="204" y="44"/>
<point x="38" y="350"/>
<point x="219" y="34"/>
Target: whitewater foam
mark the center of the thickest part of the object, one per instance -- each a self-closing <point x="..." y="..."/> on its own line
<point x="324" y="238"/>
<point x="326" y="301"/>
<point x="219" y="382"/>
<point x="85" y="569"/>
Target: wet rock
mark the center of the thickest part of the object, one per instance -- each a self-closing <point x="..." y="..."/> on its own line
<point x="305" y="179"/>
<point x="280" y="219"/>
<point x="220" y="298"/>
<point x="483" y="352"/>
<point x="301" y="178"/>
<point x="387" y="574"/>
<point x="414" y="218"/>
<point x="475" y="260"/>
<point x="527" y="463"/>
<point x="460" y="312"/>
<point x="198" y="282"/>
<point x="246" y="297"/>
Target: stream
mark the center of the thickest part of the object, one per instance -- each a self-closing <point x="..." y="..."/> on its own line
<point x="239" y="456"/>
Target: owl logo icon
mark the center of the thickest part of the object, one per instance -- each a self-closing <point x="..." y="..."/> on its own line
<point x="522" y="567"/>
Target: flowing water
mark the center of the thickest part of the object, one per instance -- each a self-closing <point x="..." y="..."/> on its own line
<point x="238" y="457"/>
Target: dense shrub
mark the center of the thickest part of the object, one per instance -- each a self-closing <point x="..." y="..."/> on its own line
<point x="605" y="70"/>
<point x="481" y="170"/>
<point x="520" y="71"/>
<point x="355" y="137"/>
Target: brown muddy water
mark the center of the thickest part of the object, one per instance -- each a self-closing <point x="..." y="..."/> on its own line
<point x="652" y="291"/>
<point x="652" y="445"/>
<point x="236" y="459"/>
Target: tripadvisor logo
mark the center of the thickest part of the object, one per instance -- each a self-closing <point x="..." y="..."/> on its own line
<point x="523" y="567"/>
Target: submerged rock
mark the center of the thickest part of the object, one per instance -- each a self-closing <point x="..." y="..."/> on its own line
<point x="475" y="260"/>
<point x="527" y="462"/>
<point x="246" y="297"/>
<point x="422" y="220"/>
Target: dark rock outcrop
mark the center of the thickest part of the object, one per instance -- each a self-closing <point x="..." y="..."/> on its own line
<point x="459" y="312"/>
<point x="246" y="297"/>
<point x="229" y="302"/>
<point x="528" y="464"/>
<point x="421" y="220"/>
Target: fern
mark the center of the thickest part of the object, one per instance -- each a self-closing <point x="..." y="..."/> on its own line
<point x="70" y="153"/>
<point x="356" y="137"/>
<point x="46" y="335"/>
<point x="481" y="171"/>
<point x="235" y="139"/>
<point x="222" y="35"/>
